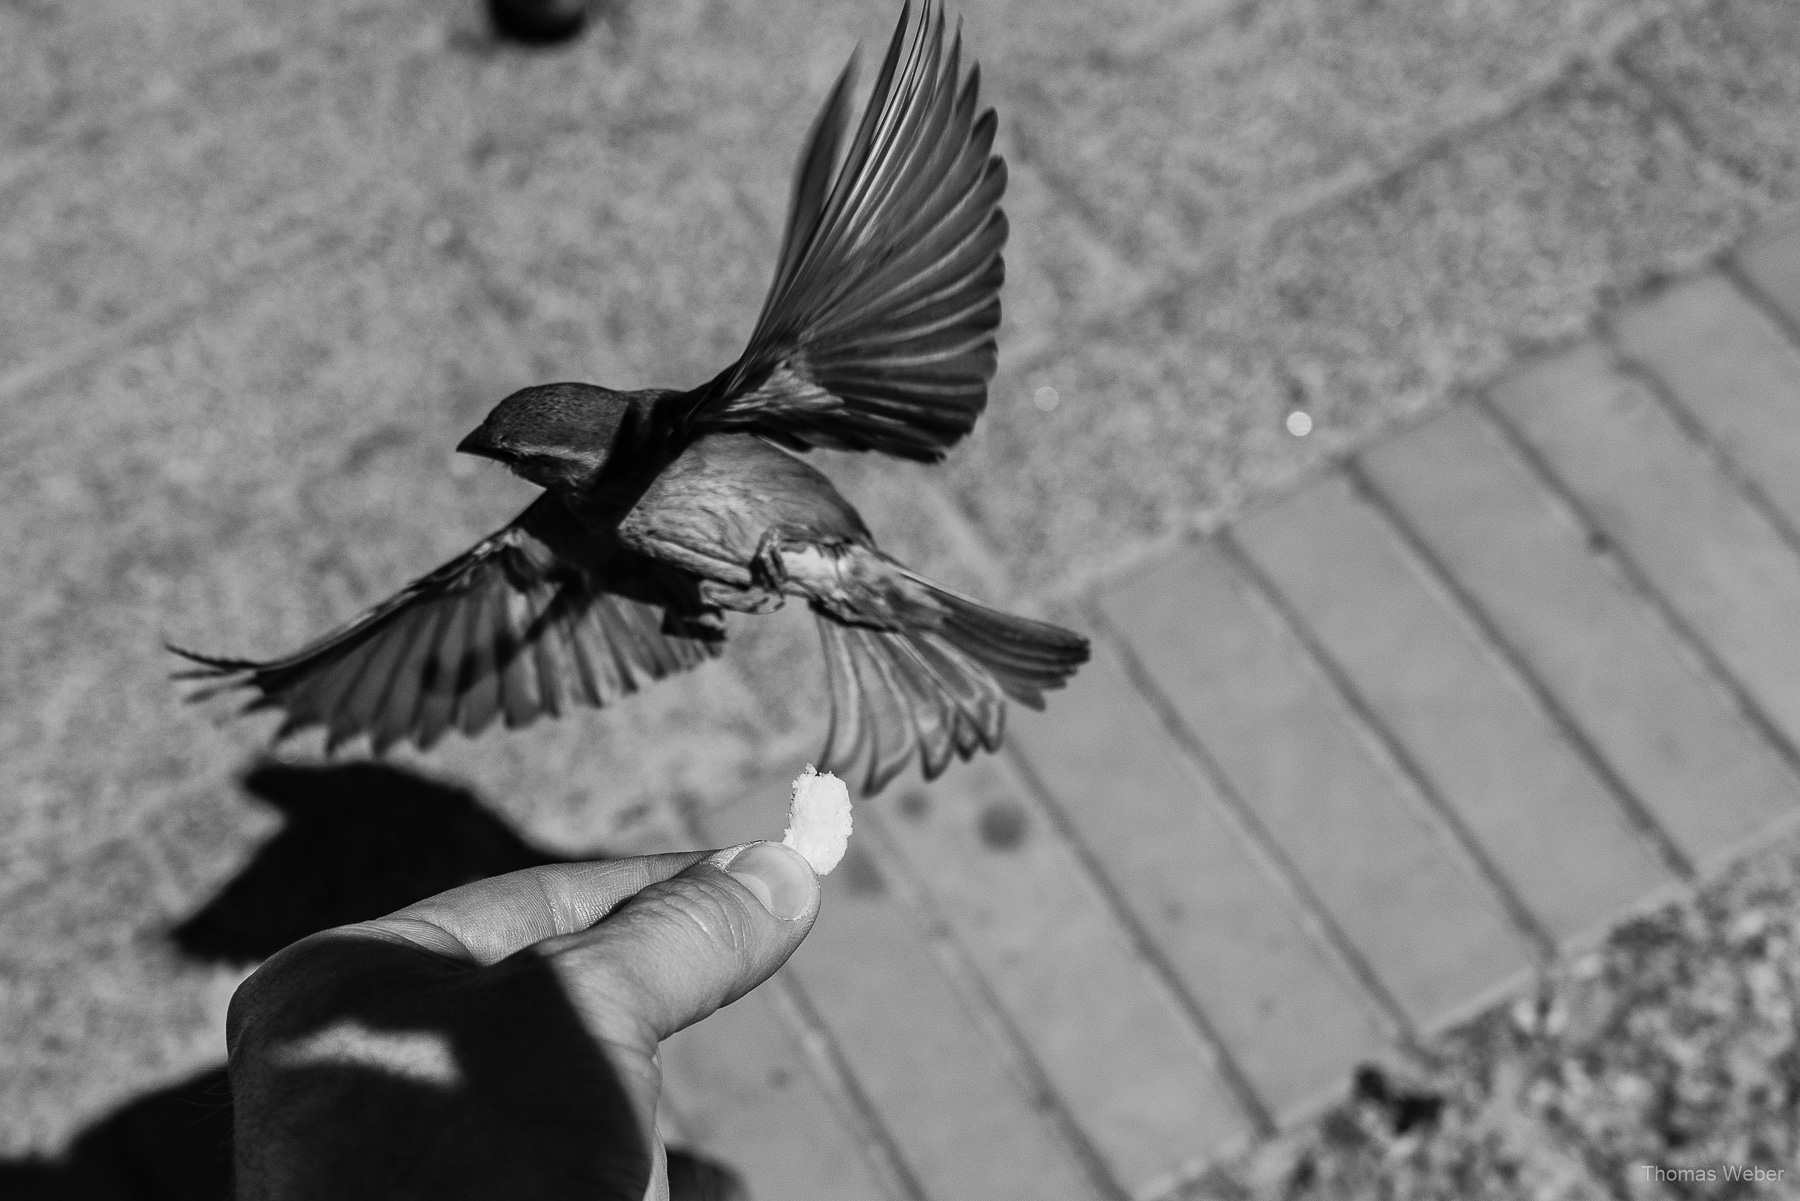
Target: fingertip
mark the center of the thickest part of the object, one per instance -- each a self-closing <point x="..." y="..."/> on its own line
<point x="779" y="877"/>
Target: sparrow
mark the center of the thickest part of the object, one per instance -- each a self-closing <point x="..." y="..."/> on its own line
<point x="663" y="509"/>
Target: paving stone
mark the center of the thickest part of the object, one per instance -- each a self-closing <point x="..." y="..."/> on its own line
<point x="1116" y="1050"/>
<point x="1537" y="812"/>
<point x="1651" y="490"/>
<point x="203" y="841"/>
<point x="1674" y="739"/>
<point x="1293" y="1024"/>
<point x="79" y="909"/>
<point x="1772" y="264"/>
<point x="1180" y="145"/>
<point x="210" y="200"/>
<point x="962" y="1122"/>
<point x="552" y="171"/>
<point x="62" y="74"/>
<point x="739" y="1084"/>
<point x="1371" y="311"/>
<point x="1733" y="371"/>
<point x="1424" y="926"/>
<point x="1728" y="68"/>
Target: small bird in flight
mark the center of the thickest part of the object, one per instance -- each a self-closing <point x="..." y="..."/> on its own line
<point x="661" y="509"/>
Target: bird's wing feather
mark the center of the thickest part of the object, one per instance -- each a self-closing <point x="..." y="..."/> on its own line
<point x="878" y="332"/>
<point x="510" y="628"/>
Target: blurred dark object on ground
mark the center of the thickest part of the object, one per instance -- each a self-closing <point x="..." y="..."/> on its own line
<point x="1405" y="1109"/>
<point x="538" y="22"/>
<point x="360" y="840"/>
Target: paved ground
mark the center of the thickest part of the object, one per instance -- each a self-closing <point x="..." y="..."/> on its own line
<point x="1471" y="670"/>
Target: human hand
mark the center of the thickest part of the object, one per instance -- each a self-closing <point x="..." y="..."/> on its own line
<point x="500" y="1039"/>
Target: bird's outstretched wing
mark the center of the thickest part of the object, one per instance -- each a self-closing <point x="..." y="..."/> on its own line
<point x="878" y="332"/>
<point x="509" y="628"/>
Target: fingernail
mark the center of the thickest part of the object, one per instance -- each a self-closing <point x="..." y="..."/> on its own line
<point x="778" y="877"/>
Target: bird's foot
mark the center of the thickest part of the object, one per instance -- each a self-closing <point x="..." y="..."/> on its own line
<point x="766" y="566"/>
<point x="754" y="600"/>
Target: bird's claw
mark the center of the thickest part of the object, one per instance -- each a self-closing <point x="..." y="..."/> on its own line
<point x="740" y="600"/>
<point x="766" y="566"/>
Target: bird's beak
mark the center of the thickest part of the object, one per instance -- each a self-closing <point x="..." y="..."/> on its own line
<point x="478" y="443"/>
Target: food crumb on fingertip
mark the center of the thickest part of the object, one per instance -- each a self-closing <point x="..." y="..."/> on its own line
<point x="819" y="819"/>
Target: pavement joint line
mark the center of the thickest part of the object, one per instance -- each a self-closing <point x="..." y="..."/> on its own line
<point x="1213" y="1046"/>
<point x="1446" y="826"/>
<point x="966" y="979"/>
<point x="1306" y="905"/>
<point x="832" y="1070"/>
<point x="970" y="548"/>
<point x="1731" y="267"/>
<point x="1463" y="602"/>
<point x="830" y="1066"/>
<point x="1639" y="585"/>
<point x="1716" y="455"/>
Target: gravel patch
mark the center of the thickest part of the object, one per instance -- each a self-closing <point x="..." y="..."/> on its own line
<point x="1669" y="1053"/>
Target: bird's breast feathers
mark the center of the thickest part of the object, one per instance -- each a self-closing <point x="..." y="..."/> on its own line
<point x="724" y="492"/>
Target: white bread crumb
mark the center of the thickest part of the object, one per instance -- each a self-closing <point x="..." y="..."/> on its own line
<point x="819" y="819"/>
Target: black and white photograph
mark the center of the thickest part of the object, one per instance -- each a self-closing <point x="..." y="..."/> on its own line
<point x="899" y="600"/>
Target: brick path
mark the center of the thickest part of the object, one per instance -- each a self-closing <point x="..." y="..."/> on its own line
<point x="1341" y="774"/>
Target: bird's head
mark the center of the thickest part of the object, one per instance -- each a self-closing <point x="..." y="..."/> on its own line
<point x="555" y="435"/>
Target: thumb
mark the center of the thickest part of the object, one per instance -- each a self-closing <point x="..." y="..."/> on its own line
<point x="683" y="948"/>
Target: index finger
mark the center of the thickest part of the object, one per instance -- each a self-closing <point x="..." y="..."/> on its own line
<point x="488" y="920"/>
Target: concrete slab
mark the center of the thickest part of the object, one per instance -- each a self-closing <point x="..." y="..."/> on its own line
<point x="1667" y="731"/>
<point x="919" y="1053"/>
<point x="95" y="1006"/>
<point x="1556" y="840"/>
<point x="1425" y="927"/>
<point x="1121" y="1057"/>
<point x="1651" y="490"/>
<point x="740" y="1091"/>
<point x="1175" y="146"/>
<point x="1771" y="265"/>
<point x="1366" y="313"/>
<point x="1233" y="946"/>
<point x="1733" y="372"/>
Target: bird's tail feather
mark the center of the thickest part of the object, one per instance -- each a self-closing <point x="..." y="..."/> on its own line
<point x="939" y="688"/>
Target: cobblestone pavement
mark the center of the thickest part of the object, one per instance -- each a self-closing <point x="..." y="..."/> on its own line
<point x="1383" y="719"/>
